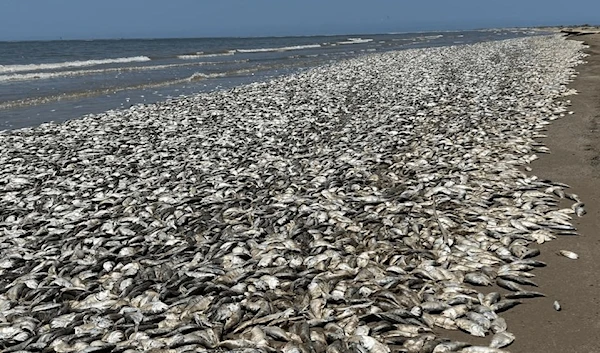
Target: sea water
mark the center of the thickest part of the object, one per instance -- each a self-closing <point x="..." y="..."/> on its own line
<point x="42" y="81"/>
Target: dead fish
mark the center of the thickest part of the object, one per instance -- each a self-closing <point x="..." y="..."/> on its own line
<point x="440" y="321"/>
<point x="498" y="325"/>
<point x="455" y="311"/>
<point x="371" y="344"/>
<point x="8" y="333"/>
<point x="504" y="305"/>
<point x="556" y="305"/>
<point x="471" y="327"/>
<point x="479" y="319"/>
<point x="481" y="349"/>
<point x="450" y="346"/>
<point x="524" y="294"/>
<point x="518" y="279"/>
<point x="334" y="332"/>
<point x="276" y="333"/>
<point x="434" y="307"/>
<point x="510" y="285"/>
<point x="479" y="279"/>
<point x="579" y="209"/>
<point x="237" y="344"/>
<point x="276" y="217"/>
<point x="569" y="254"/>
<point x="491" y="298"/>
<point x="502" y="339"/>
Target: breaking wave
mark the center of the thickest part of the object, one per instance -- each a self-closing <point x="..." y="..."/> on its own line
<point x="68" y="64"/>
<point x="295" y="47"/>
<point x="49" y="75"/>
<point x="200" y="55"/>
<point x="356" y="41"/>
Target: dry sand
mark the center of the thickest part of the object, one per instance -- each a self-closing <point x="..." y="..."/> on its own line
<point x="574" y="142"/>
<point x="573" y="30"/>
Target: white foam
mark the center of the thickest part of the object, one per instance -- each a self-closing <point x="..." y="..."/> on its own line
<point x="296" y="47"/>
<point x="430" y="37"/>
<point x="200" y="55"/>
<point x="197" y="76"/>
<point x="48" y="75"/>
<point x="51" y="66"/>
<point x="356" y="41"/>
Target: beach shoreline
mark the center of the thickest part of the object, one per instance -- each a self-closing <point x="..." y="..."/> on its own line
<point x="574" y="143"/>
<point x="37" y="85"/>
<point x="332" y="204"/>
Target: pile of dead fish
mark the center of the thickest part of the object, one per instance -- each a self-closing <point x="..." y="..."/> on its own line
<point x="358" y="207"/>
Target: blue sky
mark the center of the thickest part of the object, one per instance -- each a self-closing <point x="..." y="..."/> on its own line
<point x="85" y="19"/>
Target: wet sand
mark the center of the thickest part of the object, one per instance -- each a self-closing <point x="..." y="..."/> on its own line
<point x="574" y="142"/>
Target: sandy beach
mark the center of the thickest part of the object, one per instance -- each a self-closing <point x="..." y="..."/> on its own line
<point x="574" y="142"/>
<point x="372" y="205"/>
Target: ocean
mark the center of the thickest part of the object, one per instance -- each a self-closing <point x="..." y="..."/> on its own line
<point x="43" y="81"/>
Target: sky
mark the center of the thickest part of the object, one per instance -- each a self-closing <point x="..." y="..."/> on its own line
<point x="94" y="19"/>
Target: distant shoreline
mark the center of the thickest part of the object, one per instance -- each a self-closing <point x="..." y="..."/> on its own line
<point x="573" y="30"/>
